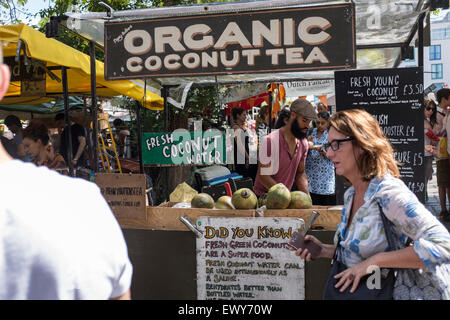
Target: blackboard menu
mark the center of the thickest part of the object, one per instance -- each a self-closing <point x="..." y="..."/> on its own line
<point x="395" y="98"/>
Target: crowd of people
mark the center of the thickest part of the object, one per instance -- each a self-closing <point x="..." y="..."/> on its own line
<point x="34" y="143"/>
<point x="436" y="129"/>
<point x="302" y="156"/>
<point x="314" y="164"/>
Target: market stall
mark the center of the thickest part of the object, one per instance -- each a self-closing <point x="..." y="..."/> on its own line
<point x="44" y="69"/>
<point x="167" y="257"/>
<point x="36" y="61"/>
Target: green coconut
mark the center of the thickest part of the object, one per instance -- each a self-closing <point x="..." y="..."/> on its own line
<point x="244" y="199"/>
<point x="225" y="202"/>
<point x="278" y="197"/>
<point x="300" y="200"/>
<point x="202" y="200"/>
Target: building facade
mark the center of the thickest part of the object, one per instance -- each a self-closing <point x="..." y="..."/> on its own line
<point x="437" y="55"/>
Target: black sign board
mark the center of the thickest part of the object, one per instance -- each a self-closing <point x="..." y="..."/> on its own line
<point x="395" y="98"/>
<point x="281" y="40"/>
<point x="31" y="70"/>
<point x="31" y="74"/>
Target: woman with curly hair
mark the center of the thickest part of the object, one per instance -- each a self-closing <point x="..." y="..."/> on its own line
<point x="380" y="219"/>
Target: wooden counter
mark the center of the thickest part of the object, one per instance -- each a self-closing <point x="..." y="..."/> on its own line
<point x="167" y="218"/>
<point x="158" y="246"/>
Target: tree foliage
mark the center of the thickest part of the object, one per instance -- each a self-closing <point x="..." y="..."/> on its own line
<point x="200" y="101"/>
<point x="10" y="11"/>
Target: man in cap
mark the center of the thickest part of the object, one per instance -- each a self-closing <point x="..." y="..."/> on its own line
<point x="52" y="245"/>
<point x="282" y="155"/>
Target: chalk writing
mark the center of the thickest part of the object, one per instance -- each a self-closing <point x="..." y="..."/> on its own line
<point x="241" y="258"/>
<point x="395" y="98"/>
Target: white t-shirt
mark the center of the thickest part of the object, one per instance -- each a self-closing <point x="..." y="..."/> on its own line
<point x="58" y="238"/>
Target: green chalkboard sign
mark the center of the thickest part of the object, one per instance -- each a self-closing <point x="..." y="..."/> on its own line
<point x="182" y="147"/>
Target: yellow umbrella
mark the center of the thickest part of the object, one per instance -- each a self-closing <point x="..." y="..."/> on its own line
<point x="55" y="53"/>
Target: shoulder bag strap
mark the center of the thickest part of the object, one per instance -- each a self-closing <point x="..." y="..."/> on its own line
<point x="390" y="232"/>
<point x="387" y="229"/>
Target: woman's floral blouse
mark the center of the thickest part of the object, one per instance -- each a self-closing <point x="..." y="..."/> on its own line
<point x="365" y="237"/>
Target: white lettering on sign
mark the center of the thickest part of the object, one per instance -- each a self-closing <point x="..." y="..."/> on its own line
<point x="251" y="54"/>
<point x="308" y="24"/>
<point x="260" y="32"/>
<point x="132" y="37"/>
<point x="168" y="35"/>
<point x="279" y="32"/>
<point x="201" y="44"/>
<point x="232" y="35"/>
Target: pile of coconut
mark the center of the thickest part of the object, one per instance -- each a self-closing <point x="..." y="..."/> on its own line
<point x="278" y="197"/>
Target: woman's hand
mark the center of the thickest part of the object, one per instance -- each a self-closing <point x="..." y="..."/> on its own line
<point x="429" y="148"/>
<point x="305" y="254"/>
<point x="317" y="148"/>
<point x="352" y="276"/>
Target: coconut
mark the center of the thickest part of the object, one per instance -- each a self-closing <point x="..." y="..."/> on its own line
<point x="224" y="202"/>
<point x="244" y="199"/>
<point x="202" y="200"/>
<point x="278" y="197"/>
<point x="300" y="200"/>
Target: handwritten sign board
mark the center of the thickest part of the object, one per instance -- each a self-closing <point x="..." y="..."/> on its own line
<point x="247" y="258"/>
<point x="125" y="194"/>
<point x="184" y="147"/>
<point x="395" y="98"/>
<point x="281" y="40"/>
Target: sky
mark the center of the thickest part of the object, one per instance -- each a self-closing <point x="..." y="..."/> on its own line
<point x="34" y="6"/>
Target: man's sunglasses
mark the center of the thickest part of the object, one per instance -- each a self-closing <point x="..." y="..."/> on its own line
<point x="335" y="144"/>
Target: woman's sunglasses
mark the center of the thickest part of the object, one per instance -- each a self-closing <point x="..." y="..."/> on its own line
<point x="430" y="109"/>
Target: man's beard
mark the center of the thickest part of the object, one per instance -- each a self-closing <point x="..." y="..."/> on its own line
<point x="297" y="131"/>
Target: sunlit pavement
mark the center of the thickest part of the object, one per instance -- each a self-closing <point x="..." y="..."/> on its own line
<point x="433" y="197"/>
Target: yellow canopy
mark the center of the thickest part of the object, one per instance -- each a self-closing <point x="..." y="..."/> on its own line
<point x="55" y="53"/>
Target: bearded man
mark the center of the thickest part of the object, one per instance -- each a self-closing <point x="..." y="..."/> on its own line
<point x="282" y="155"/>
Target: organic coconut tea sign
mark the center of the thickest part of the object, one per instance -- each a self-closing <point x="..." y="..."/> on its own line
<point x="248" y="259"/>
<point x="282" y="40"/>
